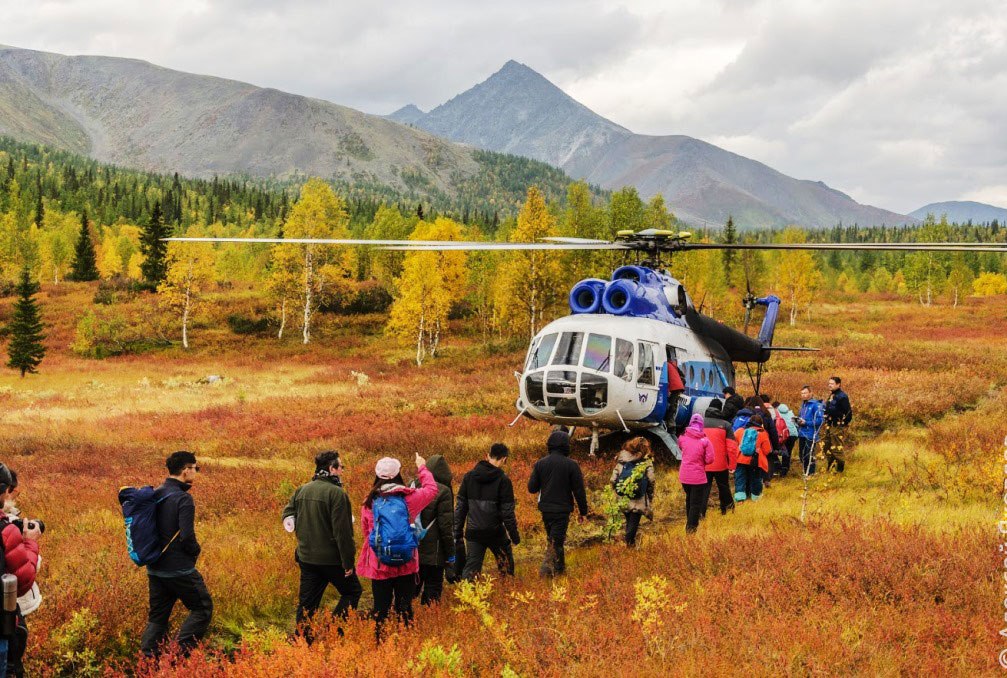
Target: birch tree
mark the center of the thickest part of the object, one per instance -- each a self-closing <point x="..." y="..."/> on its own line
<point x="189" y="273"/>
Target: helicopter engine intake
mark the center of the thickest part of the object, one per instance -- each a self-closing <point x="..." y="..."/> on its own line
<point x="585" y="297"/>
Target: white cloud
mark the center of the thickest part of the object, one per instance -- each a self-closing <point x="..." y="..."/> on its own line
<point x="898" y="103"/>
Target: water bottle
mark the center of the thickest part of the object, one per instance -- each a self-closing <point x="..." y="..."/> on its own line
<point x="8" y="619"/>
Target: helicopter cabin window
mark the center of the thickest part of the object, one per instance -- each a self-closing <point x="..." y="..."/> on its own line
<point x="540" y="351"/>
<point x="623" y="359"/>
<point x="646" y="365"/>
<point x="702" y="376"/>
<point x="692" y="374"/>
<point x="598" y="352"/>
<point x="568" y="351"/>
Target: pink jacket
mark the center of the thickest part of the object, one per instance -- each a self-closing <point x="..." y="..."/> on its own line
<point x="697" y="452"/>
<point x="417" y="499"/>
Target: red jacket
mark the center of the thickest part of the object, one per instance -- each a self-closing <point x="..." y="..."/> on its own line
<point x="20" y="556"/>
<point x="762" y="445"/>
<point x="725" y="450"/>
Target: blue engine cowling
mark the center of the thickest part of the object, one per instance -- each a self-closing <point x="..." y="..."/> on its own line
<point x="585" y="297"/>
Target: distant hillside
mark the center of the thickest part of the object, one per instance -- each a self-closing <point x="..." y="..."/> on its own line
<point x="961" y="211"/>
<point x="407" y="115"/>
<point x="134" y="114"/>
<point x="516" y="110"/>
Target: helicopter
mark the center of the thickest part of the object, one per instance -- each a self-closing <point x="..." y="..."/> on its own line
<point x="634" y="354"/>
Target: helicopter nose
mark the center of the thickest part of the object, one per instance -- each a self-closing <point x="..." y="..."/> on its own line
<point x="567" y="392"/>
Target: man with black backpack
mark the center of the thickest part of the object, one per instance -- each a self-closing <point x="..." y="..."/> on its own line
<point x="838" y="415"/>
<point x="633" y="481"/>
<point x="484" y="514"/>
<point x="320" y="513"/>
<point x="558" y="481"/>
<point x="173" y="576"/>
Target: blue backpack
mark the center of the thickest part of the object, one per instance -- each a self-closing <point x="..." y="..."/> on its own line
<point x="139" y="512"/>
<point x="641" y="484"/>
<point x="749" y="443"/>
<point x="393" y="538"/>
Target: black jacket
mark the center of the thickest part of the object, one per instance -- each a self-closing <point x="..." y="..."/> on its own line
<point x="837" y="409"/>
<point x="485" y="507"/>
<point x="176" y="513"/>
<point x="732" y="406"/>
<point x="558" y="481"/>
<point x="438" y="517"/>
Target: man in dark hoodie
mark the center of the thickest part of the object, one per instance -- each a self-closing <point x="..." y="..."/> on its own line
<point x="174" y="576"/>
<point x="838" y="415"/>
<point x="732" y="403"/>
<point x="321" y="515"/>
<point x="484" y="514"/>
<point x="437" y="548"/>
<point x="559" y="482"/>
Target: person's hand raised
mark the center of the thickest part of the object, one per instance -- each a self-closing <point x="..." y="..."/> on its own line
<point x="420" y="461"/>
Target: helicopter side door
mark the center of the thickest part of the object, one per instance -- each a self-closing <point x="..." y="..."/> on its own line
<point x="651" y="403"/>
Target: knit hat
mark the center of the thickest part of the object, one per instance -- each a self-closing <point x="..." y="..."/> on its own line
<point x="387" y="468"/>
<point x="5" y="477"/>
<point x="559" y="441"/>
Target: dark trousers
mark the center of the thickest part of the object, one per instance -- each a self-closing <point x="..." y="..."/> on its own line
<point x="315" y="579"/>
<point x="774" y="464"/>
<point x="431" y="584"/>
<point x="397" y="591"/>
<point x="721" y="478"/>
<point x="833" y="447"/>
<point x="632" y="525"/>
<point x="475" y="553"/>
<point x="164" y="593"/>
<point x="807" y="452"/>
<point x="695" y="499"/>
<point x="556" y="525"/>
<point x="785" y="458"/>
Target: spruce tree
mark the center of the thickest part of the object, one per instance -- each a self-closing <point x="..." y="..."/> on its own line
<point x="25" y="350"/>
<point x="730" y="237"/>
<point x="153" y="247"/>
<point x="85" y="263"/>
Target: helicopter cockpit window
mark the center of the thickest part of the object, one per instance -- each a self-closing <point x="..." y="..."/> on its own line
<point x="623" y="359"/>
<point x="646" y="365"/>
<point x="540" y="351"/>
<point x="598" y="353"/>
<point x="568" y="351"/>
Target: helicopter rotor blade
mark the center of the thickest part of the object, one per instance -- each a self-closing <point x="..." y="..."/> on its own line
<point x="450" y="246"/>
<point x="881" y="247"/>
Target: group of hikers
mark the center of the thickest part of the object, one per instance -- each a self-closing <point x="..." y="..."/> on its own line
<point x="754" y="440"/>
<point x="418" y="535"/>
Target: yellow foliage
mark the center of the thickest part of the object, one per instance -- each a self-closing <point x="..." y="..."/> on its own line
<point x="528" y="282"/>
<point x="990" y="284"/>
<point x="430" y="284"/>
<point x="190" y="270"/>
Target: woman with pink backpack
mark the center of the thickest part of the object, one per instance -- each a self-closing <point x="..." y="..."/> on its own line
<point x="390" y="555"/>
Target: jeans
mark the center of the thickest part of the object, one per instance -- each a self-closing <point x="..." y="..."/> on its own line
<point x="556" y="525"/>
<point x="747" y="482"/>
<point x="475" y="551"/>
<point x="164" y="593"/>
<point x="431" y="584"/>
<point x="632" y="525"/>
<point x="397" y="591"/>
<point x="785" y="457"/>
<point x="315" y="579"/>
<point x="695" y="499"/>
<point x="722" y="478"/>
<point x="807" y="452"/>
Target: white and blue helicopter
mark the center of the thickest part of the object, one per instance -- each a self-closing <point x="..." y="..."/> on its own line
<point x="634" y="355"/>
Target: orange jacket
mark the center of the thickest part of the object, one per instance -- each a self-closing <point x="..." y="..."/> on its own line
<point x="762" y="445"/>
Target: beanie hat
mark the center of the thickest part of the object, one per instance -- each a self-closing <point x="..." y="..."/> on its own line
<point x="387" y="468"/>
<point x="559" y="441"/>
<point x="5" y="476"/>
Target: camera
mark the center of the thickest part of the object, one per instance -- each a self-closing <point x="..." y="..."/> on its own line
<point x="22" y="524"/>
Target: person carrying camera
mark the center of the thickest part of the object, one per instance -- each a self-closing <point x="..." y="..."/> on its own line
<point x="30" y="600"/>
<point x="20" y="558"/>
<point x="174" y="576"/>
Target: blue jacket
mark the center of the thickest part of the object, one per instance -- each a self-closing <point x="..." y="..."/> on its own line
<point x="813" y="416"/>
<point x="742" y="418"/>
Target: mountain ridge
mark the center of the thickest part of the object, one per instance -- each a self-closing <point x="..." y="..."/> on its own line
<point x="961" y="211"/>
<point x="517" y="110"/>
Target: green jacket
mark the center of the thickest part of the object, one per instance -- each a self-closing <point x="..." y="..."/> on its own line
<point x="323" y="522"/>
<point x="439" y="516"/>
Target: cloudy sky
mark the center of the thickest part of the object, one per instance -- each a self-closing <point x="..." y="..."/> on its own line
<point x="897" y="102"/>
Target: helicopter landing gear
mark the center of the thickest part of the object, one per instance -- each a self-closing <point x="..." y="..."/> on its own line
<point x="594" y="442"/>
<point x="668" y="440"/>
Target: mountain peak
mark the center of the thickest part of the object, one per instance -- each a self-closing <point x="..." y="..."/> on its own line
<point x="407" y="115"/>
